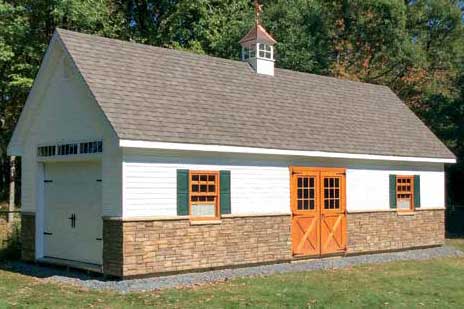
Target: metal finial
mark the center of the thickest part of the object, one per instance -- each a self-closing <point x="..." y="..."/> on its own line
<point x="258" y="10"/>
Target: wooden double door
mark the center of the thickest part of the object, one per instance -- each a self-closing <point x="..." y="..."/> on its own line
<point x="318" y="211"/>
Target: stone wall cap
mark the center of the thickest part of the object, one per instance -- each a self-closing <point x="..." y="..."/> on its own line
<point x="393" y="210"/>
<point x="174" y="218"/>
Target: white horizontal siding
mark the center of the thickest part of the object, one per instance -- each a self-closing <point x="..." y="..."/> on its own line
<point x="260" y="185"/>
<point x="368" y="189"/>
<point x="150" y="187"/>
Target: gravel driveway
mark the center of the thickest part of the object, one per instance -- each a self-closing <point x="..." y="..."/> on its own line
<point x="184" y="280"/>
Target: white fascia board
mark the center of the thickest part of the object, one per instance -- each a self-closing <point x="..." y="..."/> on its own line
<point x="268" y="151"/>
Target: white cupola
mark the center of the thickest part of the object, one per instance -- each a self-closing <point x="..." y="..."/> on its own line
<point x="258" y="47"/>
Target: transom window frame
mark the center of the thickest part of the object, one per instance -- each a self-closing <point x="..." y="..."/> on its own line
<point x="208" y="193"/>
<point x="403" y="181"/>
<point x="49" y="151"/>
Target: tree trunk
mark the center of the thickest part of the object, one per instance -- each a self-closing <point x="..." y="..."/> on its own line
<point x="11" y="205"/>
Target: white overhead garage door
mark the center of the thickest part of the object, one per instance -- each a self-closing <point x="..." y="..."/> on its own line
<point x="73" y="223"/>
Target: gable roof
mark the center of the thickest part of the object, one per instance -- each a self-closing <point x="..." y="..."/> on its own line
<point x="156" y="94"/>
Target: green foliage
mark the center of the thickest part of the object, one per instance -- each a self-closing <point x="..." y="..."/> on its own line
<point x="10" y="244"/>
<point x="416" y="47"/>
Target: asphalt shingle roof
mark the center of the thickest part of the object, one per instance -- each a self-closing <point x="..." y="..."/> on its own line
<point x="158" y="94"/>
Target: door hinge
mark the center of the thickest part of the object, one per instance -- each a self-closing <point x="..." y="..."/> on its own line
<point x="99" y="180"/>
<point x="342" y="174"/>
<point x="99" y="238"/>
<point x="47" y="233"/>
<point x="48" y="180"/>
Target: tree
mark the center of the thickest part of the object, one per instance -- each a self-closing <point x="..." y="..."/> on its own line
<point x="416" y="47"/>
<point x="26" y="27"/>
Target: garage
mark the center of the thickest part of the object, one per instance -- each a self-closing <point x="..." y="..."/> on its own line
<point x="72" y="209"/>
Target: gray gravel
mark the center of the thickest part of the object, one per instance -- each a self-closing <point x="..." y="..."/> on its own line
<point x="184" y="280"/>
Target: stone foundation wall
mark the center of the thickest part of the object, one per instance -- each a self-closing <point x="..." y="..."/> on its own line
<point x="383" y="231"/>
<point x="140" y="248"/>
<point x="171" y="246"/>
<point x="28" y="237"/>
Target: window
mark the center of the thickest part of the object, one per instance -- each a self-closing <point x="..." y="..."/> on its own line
<point x="331" y="193"/>
<point x="91" y="147"/>
<point x="67" y="149"/>
<point x="204" y="195"/>
<point x="248" y="53"/>
<point x="306" y="193"/>
<point x="265" y="51"/>
<point x="70" y="149"/>
<point x="405" y="193"/>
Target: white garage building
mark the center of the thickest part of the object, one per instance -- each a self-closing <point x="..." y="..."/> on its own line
<point x="139" y="160"/>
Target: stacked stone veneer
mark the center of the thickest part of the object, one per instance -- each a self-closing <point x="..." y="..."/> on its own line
<point x="28" y="237"/>
<point x="149" y="247"/>
<point x="383" y="231"/>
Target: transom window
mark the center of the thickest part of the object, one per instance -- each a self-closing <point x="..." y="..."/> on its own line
<point x="204" y="193"/>
<point x="404" y="193"/>
<point x="70" y="149"/>
<point x="331" y="193"/>
<point x="306" y="193"/>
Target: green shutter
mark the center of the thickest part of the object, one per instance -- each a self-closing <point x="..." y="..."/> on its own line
<point x="392" y="191"/>
<point x="182" y="192"/>
<point x="417" y="201"/>
<point x="224" y="188"/>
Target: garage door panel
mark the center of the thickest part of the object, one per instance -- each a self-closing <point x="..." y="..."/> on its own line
<point x="72" y="191"/>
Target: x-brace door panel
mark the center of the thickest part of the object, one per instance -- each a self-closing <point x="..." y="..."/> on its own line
<point x="306" y="213"/>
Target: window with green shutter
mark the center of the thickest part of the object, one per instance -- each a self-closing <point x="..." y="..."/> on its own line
<point x="203" y="195"/>
<point x="404" y="192"/>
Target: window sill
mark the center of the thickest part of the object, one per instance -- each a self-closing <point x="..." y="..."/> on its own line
<point x="405" y="213"/>
<point x="205" y="222"/>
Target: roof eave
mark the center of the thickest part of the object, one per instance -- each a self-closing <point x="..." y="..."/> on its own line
<point x="141" y="144"/>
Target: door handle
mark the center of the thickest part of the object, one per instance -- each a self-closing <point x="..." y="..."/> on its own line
<point x="73" y="220"/>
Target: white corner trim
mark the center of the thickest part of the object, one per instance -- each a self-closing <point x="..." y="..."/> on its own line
<point x="269" y="151"/>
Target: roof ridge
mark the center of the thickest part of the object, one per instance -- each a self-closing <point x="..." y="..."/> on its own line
<point x="206" y="56"/>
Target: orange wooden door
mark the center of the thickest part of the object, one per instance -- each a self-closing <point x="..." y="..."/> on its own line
<point x="333" y="215"/>
<point x="305" y="213"/>
<point x="318" y="211"/>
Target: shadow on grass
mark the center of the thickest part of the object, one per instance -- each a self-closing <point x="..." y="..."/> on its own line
<point x="47" y="271"/>
<point x="10" y="255"/>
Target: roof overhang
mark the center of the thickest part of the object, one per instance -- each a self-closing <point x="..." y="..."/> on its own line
<point x="125" y="143"/>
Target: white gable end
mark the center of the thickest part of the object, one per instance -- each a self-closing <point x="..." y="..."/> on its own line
<point x="61" y="109"/>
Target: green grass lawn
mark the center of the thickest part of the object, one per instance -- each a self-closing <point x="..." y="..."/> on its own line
<point x="436" y="283"/>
